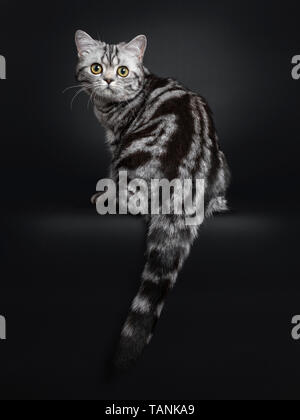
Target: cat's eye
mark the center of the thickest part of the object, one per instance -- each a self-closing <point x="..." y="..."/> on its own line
<point x="123" y="71"/>
<point x="96" y="69"/>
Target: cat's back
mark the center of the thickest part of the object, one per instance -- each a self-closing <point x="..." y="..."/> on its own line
<point x="169" y="129"/>
<point x="167" y="98"/>
<point x="165" y="92"/>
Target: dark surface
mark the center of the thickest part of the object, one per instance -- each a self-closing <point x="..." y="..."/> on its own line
<point x="68" y="275"/>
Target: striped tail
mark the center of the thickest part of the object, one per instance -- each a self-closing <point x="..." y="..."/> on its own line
<point x="169" y="244"/>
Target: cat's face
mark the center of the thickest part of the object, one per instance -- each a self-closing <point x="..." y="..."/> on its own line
<point x="111" y="72"/>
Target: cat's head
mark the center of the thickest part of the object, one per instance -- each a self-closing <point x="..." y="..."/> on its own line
<point x="112" y="72"/>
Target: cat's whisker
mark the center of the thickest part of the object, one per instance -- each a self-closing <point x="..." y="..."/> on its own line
<point x="91" y="98"/>
<point x="73" y="87"/>
<point x="77" y="94"/>
<point x="96" y="92"/>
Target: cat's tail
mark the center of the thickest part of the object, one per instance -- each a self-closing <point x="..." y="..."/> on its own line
<point x="169" y="243"/>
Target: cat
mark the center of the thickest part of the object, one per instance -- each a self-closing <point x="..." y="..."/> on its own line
<point x="155" y="129"/>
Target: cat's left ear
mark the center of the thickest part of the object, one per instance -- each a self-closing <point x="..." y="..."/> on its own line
<point x="138" y="46"/>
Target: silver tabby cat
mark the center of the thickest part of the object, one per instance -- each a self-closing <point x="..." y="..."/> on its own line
<point x="156" y="129"/>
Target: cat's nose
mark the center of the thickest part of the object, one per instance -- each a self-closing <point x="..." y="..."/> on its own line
<point x="108" y="81"/>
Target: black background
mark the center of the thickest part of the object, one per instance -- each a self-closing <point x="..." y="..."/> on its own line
<point x="68" y="275"/>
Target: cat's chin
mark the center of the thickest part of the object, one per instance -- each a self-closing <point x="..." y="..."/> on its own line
<point x="108" y="95"/>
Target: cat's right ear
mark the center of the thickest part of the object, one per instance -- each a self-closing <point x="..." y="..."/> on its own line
<point x="84" y="43"/>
